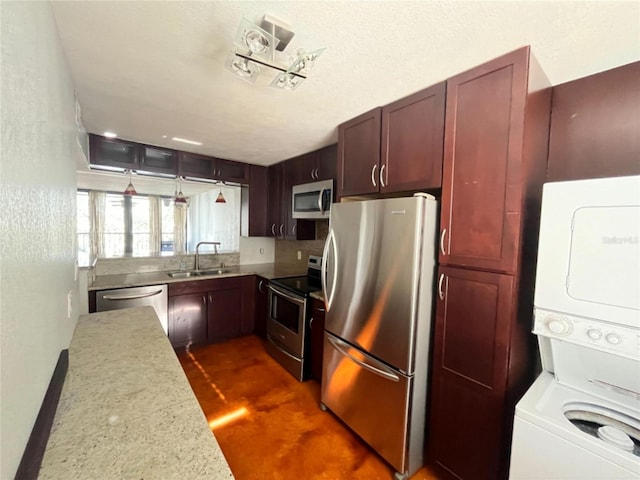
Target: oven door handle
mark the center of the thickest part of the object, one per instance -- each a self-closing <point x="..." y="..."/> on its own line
<point x="294" y="299"/>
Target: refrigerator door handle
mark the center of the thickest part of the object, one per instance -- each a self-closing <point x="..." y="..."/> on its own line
<point x="386" y="373"/>
<point x="330" y="246"/>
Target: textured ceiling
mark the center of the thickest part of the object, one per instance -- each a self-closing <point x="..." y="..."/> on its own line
<point x="148" y="69"/>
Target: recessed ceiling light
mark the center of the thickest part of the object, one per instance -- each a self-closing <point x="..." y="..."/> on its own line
<point x="110" y="134"/>
<point x="164" y="136"/>
<point x="190" y="142"/>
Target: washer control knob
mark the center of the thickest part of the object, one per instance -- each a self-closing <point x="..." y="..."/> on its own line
<point x="613" y="338"/>
<point x="594" y="334"/>
<point x="558" y="325"/>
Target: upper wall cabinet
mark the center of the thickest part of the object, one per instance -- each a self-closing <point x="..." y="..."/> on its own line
<point x="412" y="141"/>
<point x="159" y="160"/>
<point x="395" y="148"/>
<point x="359" y="154"/>
<point x="314" y="166"/>
<point x="497" y="126"/>
<point x="111" y="152"/>
<point x="202" y="166"/>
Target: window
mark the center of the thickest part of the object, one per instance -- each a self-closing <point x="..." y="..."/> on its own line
<point x="142" y="225"/>
<point x="84" y="225"/>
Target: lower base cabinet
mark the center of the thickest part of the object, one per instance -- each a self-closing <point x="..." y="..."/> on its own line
<point x="262" y="306"/>
<point x="470" y="378"/>
<point x="316" y="324"/>
<point x="209" y="311"/>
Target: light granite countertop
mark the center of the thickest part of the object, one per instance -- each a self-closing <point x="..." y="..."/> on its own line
<point x="265" y="270"/>
<point x="127" y="410"/>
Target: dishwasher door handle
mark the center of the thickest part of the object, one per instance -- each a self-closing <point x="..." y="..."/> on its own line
<point x="132" y="297"/>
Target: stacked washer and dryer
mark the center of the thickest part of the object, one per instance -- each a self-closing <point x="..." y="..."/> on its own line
<point x="581" y="417"/>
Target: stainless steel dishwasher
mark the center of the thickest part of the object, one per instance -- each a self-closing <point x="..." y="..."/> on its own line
<point x="154" y="295"/>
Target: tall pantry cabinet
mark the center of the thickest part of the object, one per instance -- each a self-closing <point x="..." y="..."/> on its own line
<point x="496" y="140"/>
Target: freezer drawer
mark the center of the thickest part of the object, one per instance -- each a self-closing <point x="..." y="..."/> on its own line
<point x="370" y="397"/>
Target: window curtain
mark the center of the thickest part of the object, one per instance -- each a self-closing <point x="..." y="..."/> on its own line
<point x="179" y="228"/>
<point x="155" y="224"/>
<point x="97" y="206"/>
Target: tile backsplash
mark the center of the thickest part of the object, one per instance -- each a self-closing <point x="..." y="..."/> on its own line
<point x="286" y="251"/>
<point x="123" y="265"/>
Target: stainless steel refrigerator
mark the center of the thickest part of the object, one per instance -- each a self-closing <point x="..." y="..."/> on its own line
<point x="378" y="273"/>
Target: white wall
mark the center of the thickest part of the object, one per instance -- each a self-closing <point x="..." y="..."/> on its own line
<point x="37" y="216"/>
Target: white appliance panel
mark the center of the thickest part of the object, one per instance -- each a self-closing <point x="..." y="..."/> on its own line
<point x="589" y="249"/>
<point x="546" y="445"/>
<point x="604" y="242"/>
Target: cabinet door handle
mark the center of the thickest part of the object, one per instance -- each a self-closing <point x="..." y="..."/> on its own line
<point x="204" y="300"/>
<point x="282" y="230"/>
<point x="373" y="175"/>
<point x="273" y="229"/>
<point x="382" y="184"/>
<point x="442" y="235"/>
<point x="293" y="229"/>
<point x="311" y="323"/>
<point x="440" y="292"/>
<point x="210" y="299"/>
<point x="317" y="173"/>
<point x="260" y="287"/>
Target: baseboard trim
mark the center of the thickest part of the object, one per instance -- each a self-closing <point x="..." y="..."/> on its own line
<point x="29" y="467"/>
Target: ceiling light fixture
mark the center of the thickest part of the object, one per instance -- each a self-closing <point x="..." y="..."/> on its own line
<point x="256" y="47"/>
<point x="220" y="198"/>
<point x="110" y="134"/>
<point x="184" y="140"/>
<point x="130" y="190"/>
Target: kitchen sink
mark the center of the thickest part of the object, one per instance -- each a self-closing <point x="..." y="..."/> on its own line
<point x="198" y="273"/>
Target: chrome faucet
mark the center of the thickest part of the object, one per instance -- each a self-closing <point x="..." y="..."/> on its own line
<point x="215" y="252"/>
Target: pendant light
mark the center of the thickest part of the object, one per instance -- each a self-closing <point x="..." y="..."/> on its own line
<point x="179" y="199"/>
<point x="130" y="190"/>
<point x="220" y="198"/>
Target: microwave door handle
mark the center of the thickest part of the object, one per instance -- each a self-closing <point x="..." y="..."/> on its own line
<point x="320" y="198"/>
<point x="284" y="294"/>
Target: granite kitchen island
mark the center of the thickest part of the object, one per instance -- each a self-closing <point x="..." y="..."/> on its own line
<point x="127" y="410"/>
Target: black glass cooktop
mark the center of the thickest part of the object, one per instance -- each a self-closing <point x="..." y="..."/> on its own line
<point x="302" y="285"/>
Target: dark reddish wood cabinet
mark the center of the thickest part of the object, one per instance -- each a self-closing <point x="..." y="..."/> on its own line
<point x="594" y="126"/>
<point x="261" y="306"/>
<point x="254" y="204"/>
<point x="494" y="158"/>
<point x="158" y="160"/>
<point x="314" y="166"/>
<point x="495" y="151"/>
<point x="395" y="148"/>
<point x="195" y="165"/>
<point x="210" y="310"/>
<point x="202" y="166"/>
<point x="113" y="152"/>
<point x="282" y="176"/>
<point x="359" y="154"/>
<point x="316" y="324"/>
<point x="412" y="141"/>
<point x="470" y="360"/>
<point x="327" y="163"/>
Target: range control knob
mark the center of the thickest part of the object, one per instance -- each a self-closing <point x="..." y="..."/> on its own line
<point x="613" y="338"/>
<point x="594" y="334"/>
<point x="558" y="325"/>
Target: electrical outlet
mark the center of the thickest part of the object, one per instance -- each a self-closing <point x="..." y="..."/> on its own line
<point x="69" y="303"/>
<point x="261" y="251"/>
<point x="299" y="255"/>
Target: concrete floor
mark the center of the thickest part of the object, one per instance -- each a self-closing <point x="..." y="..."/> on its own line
<point x="269" y="425"/>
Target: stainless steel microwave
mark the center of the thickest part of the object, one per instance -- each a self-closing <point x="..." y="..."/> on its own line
<point x="312" y="200"/>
